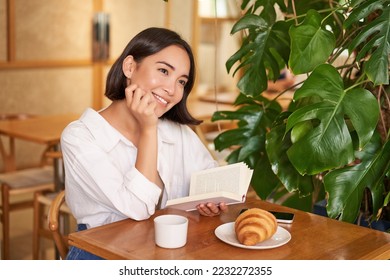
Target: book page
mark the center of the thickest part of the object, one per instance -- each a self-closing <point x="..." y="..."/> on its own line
<point x="227" y="178"/>
<point x="228" y="184"/>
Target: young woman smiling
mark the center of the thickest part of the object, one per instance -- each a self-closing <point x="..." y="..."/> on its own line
<point x="128" y="159"/>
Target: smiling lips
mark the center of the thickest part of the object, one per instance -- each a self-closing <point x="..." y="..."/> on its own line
<point x="160" y="99"/>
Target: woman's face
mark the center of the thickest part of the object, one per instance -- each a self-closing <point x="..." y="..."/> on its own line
<point x="164" y="75"/>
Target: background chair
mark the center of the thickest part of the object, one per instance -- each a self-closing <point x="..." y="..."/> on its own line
<point x="21" y="183"/>
<point x="42" y="202"/>
<point x="57" y="207"/>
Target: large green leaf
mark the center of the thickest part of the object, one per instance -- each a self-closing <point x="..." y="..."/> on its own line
<point x="362" y="9"/>
<point x="264" y="8"/>
<point x="263" y="50"/>
<point x="249" y="121"/>
<point x="257" y="103"/>
<point x="276" y="146"/>
<point x="374" y="39"/>
<point x="267" y="9"/>
<point x="328" y="144"/>
<point x="254" y="117"/>
<point x="346" y="186"/>
<point x="264" y="181"/>
<point x="311" y="44"/>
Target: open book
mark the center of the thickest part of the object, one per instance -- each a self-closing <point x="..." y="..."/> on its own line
<point x="228" y="183"/>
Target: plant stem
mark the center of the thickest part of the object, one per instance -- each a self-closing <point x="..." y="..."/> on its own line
<point x="295" y="12"/>
<point x="358" y="83"/>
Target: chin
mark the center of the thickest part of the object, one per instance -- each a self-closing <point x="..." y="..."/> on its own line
<point x="161" y="111"/>
<point x="159" y="114"/>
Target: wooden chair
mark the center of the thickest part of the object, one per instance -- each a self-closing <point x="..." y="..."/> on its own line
<point x="21" y="183"/>
<point x="57" y="206"/>
<point x="42" y="202"/>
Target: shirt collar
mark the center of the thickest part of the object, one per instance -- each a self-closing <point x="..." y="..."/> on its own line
<point x="105" y="135"/>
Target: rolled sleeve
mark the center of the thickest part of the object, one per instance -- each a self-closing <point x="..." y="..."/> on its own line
<point x="143" y="189"/>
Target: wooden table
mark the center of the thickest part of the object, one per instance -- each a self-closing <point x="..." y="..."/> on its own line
<point x="39" y="129"/>
<point x="313" y="237"/>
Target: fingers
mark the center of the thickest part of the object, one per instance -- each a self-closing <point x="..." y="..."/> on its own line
<point x="141" y="98"/>
<point x="129" y="92"/>
<point x="142" y="104"/>
<point x="138" y="96"/>
<point x="211" y="209"/>
<point x="223" y="207"/>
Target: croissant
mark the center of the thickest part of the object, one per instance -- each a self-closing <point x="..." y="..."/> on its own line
<point x="254" y="226"/>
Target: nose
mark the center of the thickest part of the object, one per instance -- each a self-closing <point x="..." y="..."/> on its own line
<point x="169" y="87"/>
<point x="169" y="91"/>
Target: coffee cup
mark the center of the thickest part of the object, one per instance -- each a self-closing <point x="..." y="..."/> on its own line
<point x="170" y="231"/>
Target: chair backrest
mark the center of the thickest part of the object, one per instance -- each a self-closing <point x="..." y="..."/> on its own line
<point x="60" y="241"/>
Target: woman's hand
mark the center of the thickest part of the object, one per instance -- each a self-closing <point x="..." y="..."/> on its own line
<point x="142" y="106"/>
<point x="212" y="209"/>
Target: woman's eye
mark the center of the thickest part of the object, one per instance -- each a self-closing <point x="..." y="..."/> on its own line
<point x="183" y="82"/>
<point x="164" y="71"/>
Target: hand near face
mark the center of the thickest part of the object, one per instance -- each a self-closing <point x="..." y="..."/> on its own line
<point x="142" y="105"/>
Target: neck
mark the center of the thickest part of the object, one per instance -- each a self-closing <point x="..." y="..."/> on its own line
<point x="118" y="116"/>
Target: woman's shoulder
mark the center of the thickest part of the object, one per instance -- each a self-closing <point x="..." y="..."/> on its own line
<point x="81" y="126"/>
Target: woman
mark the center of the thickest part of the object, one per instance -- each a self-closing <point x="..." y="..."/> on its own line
<point x="131" y="157"/>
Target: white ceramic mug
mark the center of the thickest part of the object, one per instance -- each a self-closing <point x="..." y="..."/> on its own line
<point x="170" y="231"/>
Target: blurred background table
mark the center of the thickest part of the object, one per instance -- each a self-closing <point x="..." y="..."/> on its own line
<point x="44" y="130"/>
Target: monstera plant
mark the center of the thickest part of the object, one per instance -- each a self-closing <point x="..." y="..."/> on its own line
<point x="332" y="143"/>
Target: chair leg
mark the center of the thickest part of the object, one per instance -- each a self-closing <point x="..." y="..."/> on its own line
<point x="5" y="221"/>
<point x="36" y="226"/>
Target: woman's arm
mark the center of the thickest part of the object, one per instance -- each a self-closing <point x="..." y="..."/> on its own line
<point x="142" y="106"/>
<point x="100" y="175"/>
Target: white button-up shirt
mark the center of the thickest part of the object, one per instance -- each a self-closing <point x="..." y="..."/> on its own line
<point x="102" y="184"/>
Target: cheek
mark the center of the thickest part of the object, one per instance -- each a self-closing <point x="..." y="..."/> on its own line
<point x="152" y="81"/>
<point x="178" y="96"/>
<point x="144" y="80"/>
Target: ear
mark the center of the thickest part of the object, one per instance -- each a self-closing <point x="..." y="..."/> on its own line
<point x="128" y="66"/>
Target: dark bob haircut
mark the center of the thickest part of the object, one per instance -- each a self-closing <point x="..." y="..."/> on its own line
<point x="144" y="44"/>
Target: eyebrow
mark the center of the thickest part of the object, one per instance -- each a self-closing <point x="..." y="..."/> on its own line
<point x="172" y="67"/>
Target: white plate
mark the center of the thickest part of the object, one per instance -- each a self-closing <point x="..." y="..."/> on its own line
<point x="227" y="234"/>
